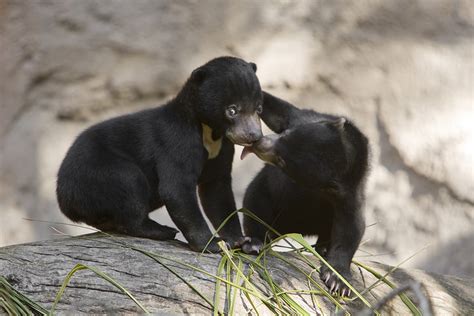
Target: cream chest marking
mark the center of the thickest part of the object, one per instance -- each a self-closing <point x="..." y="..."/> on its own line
<point x="213" y="147"/>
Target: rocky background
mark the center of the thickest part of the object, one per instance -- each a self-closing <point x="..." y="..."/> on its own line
<point x="401" y="69"/>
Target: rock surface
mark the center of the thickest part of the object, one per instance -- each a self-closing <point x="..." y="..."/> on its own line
<point x="402" y="70"/>
<point x="37" y="270"/>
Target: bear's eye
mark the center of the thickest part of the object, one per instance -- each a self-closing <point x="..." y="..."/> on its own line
<point x="232" y="111"/>
<point x="259" y="109"/>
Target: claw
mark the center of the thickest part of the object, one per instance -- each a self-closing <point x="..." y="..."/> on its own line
<point x="343" y="293"/>
<point x="256" y="248"/>
<point x="251" y="248"/>
<point x="331" y="288"/>
<point x="245" y="239"/>
<point x="242" y="240"/>
<point x="336" y="288"/>
<point x="326" y="277"/>
<point x="349" y="292"/>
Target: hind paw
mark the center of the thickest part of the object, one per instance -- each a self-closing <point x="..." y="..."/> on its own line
<point x="334" y="284"/>
<point x="168" y="232"/>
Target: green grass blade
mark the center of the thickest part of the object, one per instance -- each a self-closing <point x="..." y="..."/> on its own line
<point x="104" y="276"/>
<point x="218" y="229"/>
<point x="244" y="284"/>
<point x="406" y="300"/>
<point x="220" y="269"/>
<point x="393" y="269"/>
<point x="234" y="213"/>
<point x="281" y="257"/>
<point x="10" y="304"/>
<point x="254" y="266"/>
<point x="159" y="259"/>
<point x="267" y="277"/>
<point x="63" y="286"/>
<point x="13" y="304"/>
<point x="205" y="272"/>
<point x="310" y="279"/>
<point x="314" y="300"/>
<point x="237" y="280"/>
<point x="16" y="303"/>
<point x="247" y="283"/>
<point x="297" y="308"/>
<point x="248" y="213"/>
<point x="8" y="307"/>
<point x="228" y="288"/>
<point x="278" y="292"/>
<point x="299" y="239"/>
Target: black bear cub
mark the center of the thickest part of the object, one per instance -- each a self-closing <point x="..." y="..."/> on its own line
<point x="120" y="170"/>
<point x="313" y="183"/>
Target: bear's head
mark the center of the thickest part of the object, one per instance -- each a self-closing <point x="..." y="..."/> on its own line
<point x="312" y="154"/>
<point x="226" y="96"/>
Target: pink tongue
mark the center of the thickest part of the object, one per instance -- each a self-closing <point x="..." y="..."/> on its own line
<point x="245" y="152"/>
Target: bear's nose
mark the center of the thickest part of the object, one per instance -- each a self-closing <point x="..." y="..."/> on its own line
<point x="254" y="136"/>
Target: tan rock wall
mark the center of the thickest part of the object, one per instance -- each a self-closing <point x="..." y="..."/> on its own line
<point x="402" y="70"/>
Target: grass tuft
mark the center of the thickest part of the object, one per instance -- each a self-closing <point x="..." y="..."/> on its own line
<point x="104" y="276"/>
<point x="15" y="303"/>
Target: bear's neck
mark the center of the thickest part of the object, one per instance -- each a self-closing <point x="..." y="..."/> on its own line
<point x="184" y="105"/>
<point x="212" y="145"/>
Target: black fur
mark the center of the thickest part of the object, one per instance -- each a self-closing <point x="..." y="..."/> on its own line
<point x="120" y="170"/>
<point x="317" y="185"/>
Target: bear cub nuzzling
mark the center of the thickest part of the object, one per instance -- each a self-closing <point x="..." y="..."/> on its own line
<point x="313" y="183"/>
<point x="118" y="171"/>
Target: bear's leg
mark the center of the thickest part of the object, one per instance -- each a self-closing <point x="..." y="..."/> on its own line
<point x="141" y="227"/>
<point x="123" y="202"/>
<point x="217" y="200"/>
<point x="324" y="241"/>
<point x="347" y="230"/>
<point x="182" y="204"/>
<point x="258" y="201"/>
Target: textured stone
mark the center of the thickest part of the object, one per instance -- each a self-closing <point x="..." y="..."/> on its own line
<point x="402" y="70"/>
<point x="130" y="262"/>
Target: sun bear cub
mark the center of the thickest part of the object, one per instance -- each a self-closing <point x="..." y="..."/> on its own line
<point x="313" y="183"/>
<point x="120" y="170"/>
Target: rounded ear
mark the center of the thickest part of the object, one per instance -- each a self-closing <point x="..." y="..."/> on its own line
<point x="198" y="75"/>
<point x="254" y="66"/>
<point x="339" y="123"/>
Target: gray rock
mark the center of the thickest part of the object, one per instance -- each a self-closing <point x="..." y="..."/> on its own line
<point x="402" y="70"/>
<point x="159" y="274"/>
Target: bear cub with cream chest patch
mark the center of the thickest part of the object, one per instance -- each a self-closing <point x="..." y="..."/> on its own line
<point x="118" y="171"/>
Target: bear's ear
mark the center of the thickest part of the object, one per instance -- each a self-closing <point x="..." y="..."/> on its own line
<point x="198" y="75"/>
<point x="339" y="123"/>
<point x="254" y="66"/>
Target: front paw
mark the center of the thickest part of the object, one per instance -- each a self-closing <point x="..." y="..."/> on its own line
<point x="250" y="245"/>
<point x="334" y="283"/>
<point x="211" y="247"/>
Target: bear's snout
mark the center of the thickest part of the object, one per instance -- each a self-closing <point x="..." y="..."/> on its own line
<point x="266" y="144"/>
<point x="246" y="130"/>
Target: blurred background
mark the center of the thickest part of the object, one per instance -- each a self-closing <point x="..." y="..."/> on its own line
<point x="401" y="69"/>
